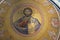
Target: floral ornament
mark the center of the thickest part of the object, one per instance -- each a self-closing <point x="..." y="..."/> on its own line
<point x="53" y="35"/>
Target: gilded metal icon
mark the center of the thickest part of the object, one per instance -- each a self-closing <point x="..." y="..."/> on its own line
<point x="29" y="20"/>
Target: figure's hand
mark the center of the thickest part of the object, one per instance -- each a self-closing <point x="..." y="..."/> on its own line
<point x="23" y="23"/>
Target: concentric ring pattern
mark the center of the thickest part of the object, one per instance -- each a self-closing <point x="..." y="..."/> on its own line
<point x="28" y="20"/>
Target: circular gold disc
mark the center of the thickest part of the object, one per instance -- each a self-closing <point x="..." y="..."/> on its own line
<point x="29" y="20"/>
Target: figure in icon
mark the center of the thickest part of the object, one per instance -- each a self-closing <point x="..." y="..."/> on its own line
<point x="22" y="26"/>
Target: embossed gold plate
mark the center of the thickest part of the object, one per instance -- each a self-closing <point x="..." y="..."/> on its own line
<point x="28" y="20"/>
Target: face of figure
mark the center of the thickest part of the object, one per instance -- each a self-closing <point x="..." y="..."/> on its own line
<point x="27" y="12"/>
